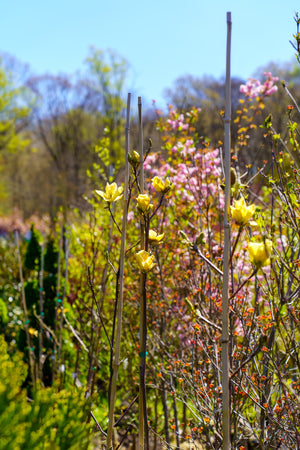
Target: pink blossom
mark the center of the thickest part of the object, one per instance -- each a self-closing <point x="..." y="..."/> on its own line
<point x="178" y="124"/>
<point x="253" y="88"/>
<point x="271" y="90"/>
<point x="130" y="216"/>
<point x="188" y="148"/>
<point x="150" y="161"/>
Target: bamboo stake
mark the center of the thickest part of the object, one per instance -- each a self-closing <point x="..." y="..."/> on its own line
<point x="141" y="147"/>
<point x="142" y="283"/>
<point x="41" y="288"/>
<point x="144" y="223"/>
<point x="143" y="423"/>
<point x="225" y="302"/>
<point x="55" y="361"/>
<point x="26" y="319"/>
<point x="62" y="305"/>
<point x="113" y="391"/>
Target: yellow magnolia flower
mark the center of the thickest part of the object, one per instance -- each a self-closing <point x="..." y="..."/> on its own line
<point x="145" y="261"/>
<point x="240" y="212"/>
<point x="259" y="252"/>
<point x="112" y="193"/>
<point x="64" y="310"/>
<point x="155" y="238"/>
<point x="33" y="332"/>
<point x="143" y="202"/>
<point x="161" y="185"/>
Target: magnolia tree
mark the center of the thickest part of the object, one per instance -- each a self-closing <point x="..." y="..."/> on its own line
<point x="180" y="212"/>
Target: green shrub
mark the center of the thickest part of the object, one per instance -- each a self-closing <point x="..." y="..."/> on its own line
<point x="51" y="420"/>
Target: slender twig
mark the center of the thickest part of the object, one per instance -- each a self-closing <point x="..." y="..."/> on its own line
<point x="126" y="411"/>
<point x="91" y="284"/>
<point x="132" y="246"/>
<point x="175" y="414"/>
<point x="75" y="332"/>
<point x="286" y="149"/>
<point x="236" y="241"/>
<point x="114" y="221"/>
<point x="44" y="325"/>
<point x="208" y="322"/>
<point x="255" y="351"/>
<point x="211" y="264"/>
<point x="291" y="97"/>
<point x="158" y="206"/>
<point x="97" y="424"/>
<point x="124" y="437"/>
<point x="242" y="285"/>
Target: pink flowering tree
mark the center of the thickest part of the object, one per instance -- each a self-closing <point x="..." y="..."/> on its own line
<point x="186" y="308"/>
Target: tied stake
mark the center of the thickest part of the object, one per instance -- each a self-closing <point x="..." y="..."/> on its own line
<point x="143" y="354"/>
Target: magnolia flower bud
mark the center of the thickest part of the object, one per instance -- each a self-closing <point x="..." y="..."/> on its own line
<point x="143" y="202"/>
<point x="134" y="158"/>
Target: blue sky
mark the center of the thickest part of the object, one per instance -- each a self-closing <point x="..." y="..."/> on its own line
<point x="162" y="39"/>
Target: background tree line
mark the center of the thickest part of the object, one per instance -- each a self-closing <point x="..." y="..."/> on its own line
<point x="56" y="131"/>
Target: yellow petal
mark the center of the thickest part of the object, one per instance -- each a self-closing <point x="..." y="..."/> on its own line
<point x="240" y="212"/>
<point x="143" y="202"/>
<point x="161" y="185"/>
<point x="112" y="192"/>
<point x="145" y="261"/>
<point x="259" y="252"/>
<point x="155" y="238"/>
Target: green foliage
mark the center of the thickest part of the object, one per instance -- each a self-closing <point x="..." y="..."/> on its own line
<point x="9" y="287"/>
<point x="109" y="71"/>
<point x="11" y="114"/>
<point x="33" y="252"/>
<point x="49" y="286"/>
<point x="14" y="408"/>
<point x="103" y="169"/>
<point x="60" y="419"/>
<point x="31" y="294"/>
<point x="51" y="256"/>
<point x="3" y="312"/>
<point x="296" y="36"/>
<point x="50" y="280"/>
<point x="51" y="420"/>
<point x="14" y="113"/>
